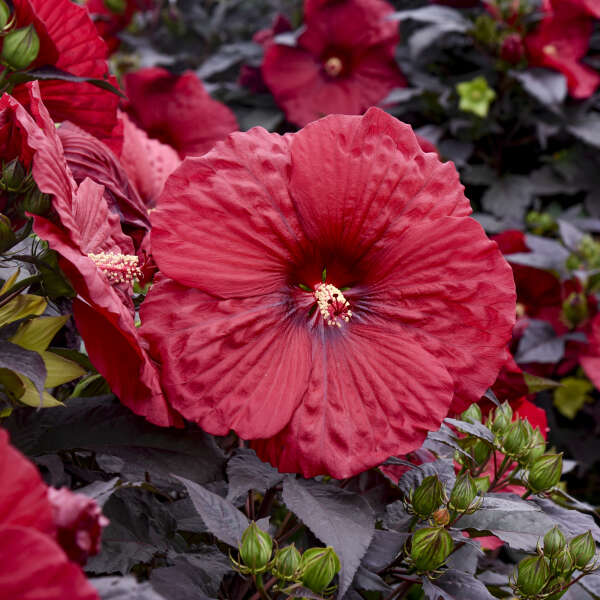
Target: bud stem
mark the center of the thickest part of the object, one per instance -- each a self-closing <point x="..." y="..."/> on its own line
<point x="262" y="588"/>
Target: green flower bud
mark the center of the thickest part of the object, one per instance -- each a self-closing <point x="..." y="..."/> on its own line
<point x="35" y="202"/>
<point x="318" y="567"/>
<point x="545" y="472"/>
<point x="287" y="563"/>
<point x="463" y="493"/>
<point x="483" y="483"/>
<point x="475" y="96"/>
<point x="472" y="414"/>
<point x="583" y="549"/>
<point x="117" y="7"/>
<point x="516" y="439"/>
<point x="430" y="547"/>
<point x="7" y="235"/>
<point x="428" y="497"/>
<point x="536" y="449"/>
<point x="562" y="563"/>
<point x="533" y="573"/>
<point x="4" y="14"/>
<point x="574" y="309"/>
<point x="13" y="176"/>
<point x="20" y="48"/>
<point x="502" y="418"/>
<point x="481" y="452"/>
<point x="255" y="548"/>
<point x="554" y="542"/>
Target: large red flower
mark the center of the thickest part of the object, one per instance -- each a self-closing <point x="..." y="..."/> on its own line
<point x="560" y="41"/>
<point x="33" y="564"/>
<point x="343" y="62"/>
<point x="591" y="361"/>
<point x="71" y="43"/>
<point x="327" y="288"/>
<point x="177" y="110"/>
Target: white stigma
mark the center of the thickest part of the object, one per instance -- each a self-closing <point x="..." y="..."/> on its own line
<point x="332" y="305"/>
<point x="118" y="268"/>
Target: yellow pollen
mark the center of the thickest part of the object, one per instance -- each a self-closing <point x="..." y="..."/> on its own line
<point x="550" y="49"/>
<point x="332" y="305"/>
<point x="118" y="268"/>
<point x="333" y="66"/>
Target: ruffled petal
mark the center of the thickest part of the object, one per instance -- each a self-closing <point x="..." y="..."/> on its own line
<point x="225" y="223"/>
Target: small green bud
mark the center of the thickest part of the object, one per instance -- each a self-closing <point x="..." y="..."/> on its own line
<point x="516" y="438"/>
<point x="20" y="48"/>
<point x="502" y="418"/>
<point x="13" y="176"/>
<point x="36" y="202"/>
<point x="463" y="493"/>
<point x="481" y="452"/>
<point x="472" y="414"/>
<point x="562" y="563"/>
<point x="554" y="542"/>
<point x="475" y="96"/>
<point x="574" y="309"/>
<point x="533" y="572"/>
<point x="7" y="235"/>
<point x="483" y="483"/>
<point x="287" y="563"/>
<point x="428" y="497"/>
<point x="583" y="549"/>
<point x="4" y="14"/>
<point x="255" y="548"/>
<point x="441" y="517"/>
<point x="117" y="7"/>
<point x="430" y="547"/>
<point x="536" y="449"/>
<point x="545" y="472"/>
<point x="318" y="567"/>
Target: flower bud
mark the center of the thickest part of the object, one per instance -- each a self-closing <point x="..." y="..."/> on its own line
<point x="533" y="574"/>
<point x="287" y="563"/>
<point x="463" y="493"/>
<point x="117" y="7"/>
<point x="255" y="548"/>
<point x="502" y="418"/>
<point x="472" y="414"/>
<point x="36" y="202"/>
<point x="545" y="472"/>
<point x="481" y="452"/>
<point x="512" y="49"/>
<point x="428" y="497"/>
<point x="583" y="549"/>
<point x="536" y="449"/>
<point x="430" y="547"/>
<point x="4" y="14"/>
<point x="441" y="517"/>
<point x="554" y="542"/>
<point x="13" y="176"/>
<point x="7" y="235"/>
<point x="516" y="438"/>
<point x="574" y="309"/>
<point x="318" y="567"/>
<point x="562" y="563"/>
<point x="20" y="48"/>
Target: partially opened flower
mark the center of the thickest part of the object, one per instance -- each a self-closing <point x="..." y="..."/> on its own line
<point x="177" y="110"/>
<point x="343" y="62"/>
<point x="328" y="293"/>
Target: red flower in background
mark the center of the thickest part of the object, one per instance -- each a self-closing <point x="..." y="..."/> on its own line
<point x="296" y="265"/>
<point x="590" y="362"/>
<point x="343" y="62"/>
<point x="177" y="110"/>
<point x="70" y="42"/>
<point x="33" y="564"/>
<point x="560" y="41"/>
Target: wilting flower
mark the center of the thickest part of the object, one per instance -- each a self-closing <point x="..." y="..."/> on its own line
<point x="328" y="289"/>
<point x="343" y="61"/>
<point x="33" y="563"/>
<point x="560" y="41"/>
<point x="177" y="110"/>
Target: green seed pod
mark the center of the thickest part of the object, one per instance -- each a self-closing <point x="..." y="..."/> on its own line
<point x="255" y="548"/>
<point x="13" y="176"/>
<point x="430" y="547"/>
<point x="36" y="202"/>
<point x="463" y="492"/>
<point x="562" y="563"/>
<point x="318" y="567"/>
<point x="536" y="449"/>
<point x="20" y="48"/>
<point x="481" y="452"/>
<point x="533" y="574"/>
<point x="7" y="235"/>
<point x="428" y="497"/>
<point x="516" y="438"/>
<point x="554" y="542"/>
<point x="472" y="414"/>
<point x="545" y="472"/>
<point x="287" y="563"/>
<point x="502" y="418"/>
<point x="583" y="549"/>
<point x="4" y="14"/>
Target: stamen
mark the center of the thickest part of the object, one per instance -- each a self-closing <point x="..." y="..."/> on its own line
<point x="118" y="268"/>
<point x="332" y="305"/>
<point x="333" y="66"/>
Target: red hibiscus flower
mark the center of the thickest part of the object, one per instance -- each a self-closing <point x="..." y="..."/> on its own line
<point x="327" y="288"/>
<point x="591" y="361"/>
<point x="70" y="42"/>
<point x="343" y="62"/>
<point x="177" y="110"/>
<point x="33" y="564"/>
<point x="560" y="41"/>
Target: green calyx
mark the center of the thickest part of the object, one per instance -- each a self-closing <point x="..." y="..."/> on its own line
<point x="318" y="567"/>
<point x="20" y="48"/>
<point x="533" y="573"/>
<point x="545" y="472"/>
<point x="430" y="547"/>
<point x="428" y="497"/>
<point x="475" y="96"/>
<point x="255" y="549"/>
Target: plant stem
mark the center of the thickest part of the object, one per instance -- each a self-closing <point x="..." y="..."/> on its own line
<point x="262" y="590"/>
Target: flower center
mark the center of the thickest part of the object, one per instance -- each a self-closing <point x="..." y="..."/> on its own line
<point x="550" y="50"/>
<point x="332" y="305"/>
<point x="333" y="66"/>
<point x="118" y="268"/>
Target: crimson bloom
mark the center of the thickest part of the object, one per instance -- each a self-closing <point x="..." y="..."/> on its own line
<point x="343" y="62"/>
<point x="177" y="110"/>
<point x="560" y="41"/>
<point x="329" y="297"/>
<point x="591" y="361"/>
<point x="33" y="564"/>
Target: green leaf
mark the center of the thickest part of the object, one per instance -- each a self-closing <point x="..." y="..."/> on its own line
<point x="22" y="306"/>
<point x="537" y="384"/>
<point x="572" y="394"/>
<point x="24" y="362"/>
<point x="38" y="333"/>
<point x="59" y="370"/>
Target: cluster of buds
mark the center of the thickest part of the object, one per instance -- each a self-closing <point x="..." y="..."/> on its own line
<point x="548" y="574"/>
<point x="587" y="255"/>
<point x="541" y="223"/>
<point x="314" y="569"/>
<point x="20" y="46"/>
